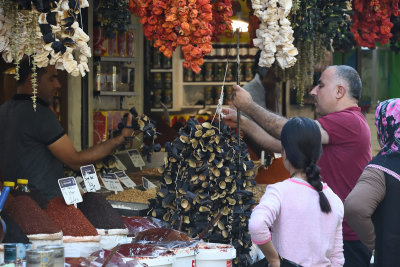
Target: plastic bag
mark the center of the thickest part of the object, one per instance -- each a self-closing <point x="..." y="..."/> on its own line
<point x="137" y="224"/>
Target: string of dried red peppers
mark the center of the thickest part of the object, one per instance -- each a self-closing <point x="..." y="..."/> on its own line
<point x="371" y="21"/>
<point x="221" y="22"/>
<point x="173" y="23"/>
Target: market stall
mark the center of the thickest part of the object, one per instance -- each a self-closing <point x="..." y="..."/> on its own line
<point x="187" y="201"/>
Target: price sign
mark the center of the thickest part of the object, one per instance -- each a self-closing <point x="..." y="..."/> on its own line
<point x="125" y="179"/>
<point x="90" y="178"/>
<point x="120" y="165"/>
<point x="111" y="182"/>
<point x="147" y="184"/>
<point x="70" y="190"/>
<point x="136" y="158"/>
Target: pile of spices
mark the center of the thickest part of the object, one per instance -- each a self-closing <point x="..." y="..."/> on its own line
<point x="30" y="217"/>
<point x="14" y="233"/>
<point x="99" y="212"/>
<point x="70" y="219"/>
<point x="137" y="224"/>
<point x="134" y="195"/>
<point x="161" y="235"/>
<point x="34" y="195"/>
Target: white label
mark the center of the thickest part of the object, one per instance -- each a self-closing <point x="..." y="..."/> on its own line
<point x="136" y="158"/>
<point x="147" y="184"/>
<point x="125" y="179"/>
<point x="90" y="178"/>
<point x="70" y="190"/>
<point x="120" y="165"/>
<point x="81" y="184"/>
<point x="111" y="182"/>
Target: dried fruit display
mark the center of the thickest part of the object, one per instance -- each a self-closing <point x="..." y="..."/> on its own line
<point x="371" y="21"/>
<point x="221" y="22"/>
<point x="274" y="35"/>
<point x="173" y="23"/>
<point x="206" y="177"/>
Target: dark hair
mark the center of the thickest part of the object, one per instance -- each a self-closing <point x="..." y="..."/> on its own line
<point x="301" y="139"/>
<point x="25" y="69"/>
<point x="350" y="75"/>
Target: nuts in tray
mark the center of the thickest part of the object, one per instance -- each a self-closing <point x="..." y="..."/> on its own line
<point x="134" y="195"/>
<point x="258" y="191"/>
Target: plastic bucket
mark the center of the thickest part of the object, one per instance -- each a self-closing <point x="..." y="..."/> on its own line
<point x="215" y="255"/>
<point x="160" y="261"/>
<point x="185" y="257"/>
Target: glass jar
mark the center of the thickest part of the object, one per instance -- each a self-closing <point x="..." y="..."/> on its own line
<point x="208" y="76"/>
<point x="22" y="185"/>
<point x="156" y="59"/>
<point x="168" y="80"/>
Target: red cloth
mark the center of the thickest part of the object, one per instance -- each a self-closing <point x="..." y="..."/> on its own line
<point x="346" y="155"/>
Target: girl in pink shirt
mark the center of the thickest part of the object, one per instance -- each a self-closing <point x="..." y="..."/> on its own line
<point x="300" y="219"/>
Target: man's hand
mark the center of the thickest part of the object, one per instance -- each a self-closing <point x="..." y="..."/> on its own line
<point x="241" y="98"/>
<point x="230" y="117"/>
<point x="127" y="131"/>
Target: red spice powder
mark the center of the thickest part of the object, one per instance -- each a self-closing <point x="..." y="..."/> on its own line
<point x="70" y="219"/>
<point x="30" y="217"/>
<point x="162" y="234"/>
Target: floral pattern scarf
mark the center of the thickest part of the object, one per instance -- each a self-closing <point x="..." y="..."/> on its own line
<point x="387" y="121"/>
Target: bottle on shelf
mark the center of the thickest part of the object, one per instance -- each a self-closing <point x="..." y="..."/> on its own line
<point x="22" y="185"/>
<point x="188" y="75"/>
<point x="98" y="78"/>
<point x="208" y="98"/>
<point x="208" y="75"/>
<point x="10" y="184"/>
<point x="248" y="73"/>
<point x="114" y="78"/>
<point x="166" y="62"/>
<point x="156" y="58"/>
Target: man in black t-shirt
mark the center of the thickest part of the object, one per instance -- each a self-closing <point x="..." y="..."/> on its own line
<point x="33" y="145"/>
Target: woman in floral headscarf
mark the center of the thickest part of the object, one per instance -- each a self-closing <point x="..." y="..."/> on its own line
<point x="372" y="208"/>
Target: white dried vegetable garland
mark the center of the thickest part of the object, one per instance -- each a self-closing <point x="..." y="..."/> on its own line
<point x="274" y="35"/>
<point x="73" y="38"/>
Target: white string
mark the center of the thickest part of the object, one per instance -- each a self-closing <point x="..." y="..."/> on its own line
<point x="218" y="111"/>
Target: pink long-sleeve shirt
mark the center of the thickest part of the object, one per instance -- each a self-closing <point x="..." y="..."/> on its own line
<point x="289" y="214"/>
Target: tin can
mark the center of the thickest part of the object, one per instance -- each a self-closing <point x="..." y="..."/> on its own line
<point x="58" y="254"/>
<point x="15" y="251"/>
<point x="39" y="258"/>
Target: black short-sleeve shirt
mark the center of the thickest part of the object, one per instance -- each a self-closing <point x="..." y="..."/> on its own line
<point x="24" y="137"/>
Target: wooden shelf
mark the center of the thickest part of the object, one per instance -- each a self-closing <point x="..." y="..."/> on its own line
<point x="211" y="83"/>
<point x="161" y="70"/>
<point x="161" y="109"/>
<point x="111" y="93"/>
<point x="117" y="59"/>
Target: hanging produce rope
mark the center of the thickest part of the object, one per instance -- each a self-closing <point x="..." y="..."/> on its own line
<point x="202" y="177"/>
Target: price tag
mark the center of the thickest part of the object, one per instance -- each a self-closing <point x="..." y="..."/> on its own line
<point x="90" y="178"/>
<point x="81" y="184"/>
<point x="70" y="190"/>
<point x="136" y="158"/>
<point x="120" y="165"/>
<point x="125" y="179"/>
<point x="111" y="182"/>
<point x="147" y="184"/>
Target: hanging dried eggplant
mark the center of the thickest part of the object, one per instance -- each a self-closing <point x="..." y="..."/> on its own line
<point x="204" y="176"/>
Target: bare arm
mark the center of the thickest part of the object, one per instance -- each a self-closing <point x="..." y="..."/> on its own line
<point x="64" y="150"/>
<point x="270" y="253"/>
<point x="253" y="131"/>
<point x="269" y="121"/>
<point x="362" y="202"/>
<point x="324" y="134"/>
